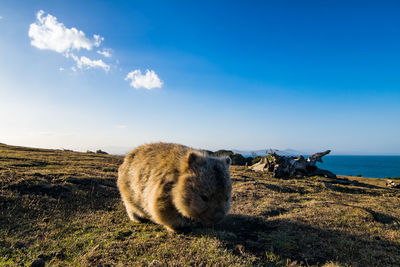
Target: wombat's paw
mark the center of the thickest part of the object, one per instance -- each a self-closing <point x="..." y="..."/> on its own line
<point x="138" y="219"/>
<point x="141" y="219"/>
<point x="180" y="230"/>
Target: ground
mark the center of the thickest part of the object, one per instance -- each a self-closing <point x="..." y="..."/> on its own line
<point x="64" y="208"/>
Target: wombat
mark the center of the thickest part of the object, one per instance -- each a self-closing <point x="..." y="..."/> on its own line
<point x="172" y="184"/>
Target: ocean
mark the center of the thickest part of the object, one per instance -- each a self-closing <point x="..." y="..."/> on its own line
<point x="366" y="166"/>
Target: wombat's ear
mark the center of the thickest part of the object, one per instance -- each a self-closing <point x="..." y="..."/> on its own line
<point x="194" y="158"/>
<point x="228" y="160"/>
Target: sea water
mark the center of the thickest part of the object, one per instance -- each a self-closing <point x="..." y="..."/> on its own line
<point x="366" y="166"/>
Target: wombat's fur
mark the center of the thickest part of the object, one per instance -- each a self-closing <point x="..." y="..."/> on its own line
<point x="167" y="183"/>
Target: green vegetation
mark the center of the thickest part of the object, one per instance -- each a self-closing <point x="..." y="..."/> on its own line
<point x="99" y="151"/>
<point x="64" y="208"/>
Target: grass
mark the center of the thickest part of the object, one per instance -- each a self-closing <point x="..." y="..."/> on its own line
<point x="64" y="207"/>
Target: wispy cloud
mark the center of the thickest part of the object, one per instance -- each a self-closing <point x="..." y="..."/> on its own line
<point x="47" y="33"/>
<point x="104" y="52"/>
<point x="120" y="126"/>
<point x="149" y="80"/>
<point x="86" y="63"/>
<point x="1" y="17"/>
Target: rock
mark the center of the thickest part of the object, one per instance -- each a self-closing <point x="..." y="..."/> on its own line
<point x="38" y="263"/>
<point x="155" y="263"/>
<point x="260" y="166"/>
<point x="392" y="184"/>
<point x="289" y="166"/>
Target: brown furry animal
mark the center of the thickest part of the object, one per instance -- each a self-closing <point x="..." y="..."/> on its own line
<point x="168" y="183"/>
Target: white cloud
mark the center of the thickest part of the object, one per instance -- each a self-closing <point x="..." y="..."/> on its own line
<point x="149" y="80"/>
<point x="48" y="33"/>
<point x="105" y="52"/>
<point x="1" y="17"/>
<point x="120" y="126"/>
<point x="87" y="63"/>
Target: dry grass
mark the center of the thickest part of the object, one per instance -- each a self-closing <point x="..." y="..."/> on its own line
<point x="64" y="208"/>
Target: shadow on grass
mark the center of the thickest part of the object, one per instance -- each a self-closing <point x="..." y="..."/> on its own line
<point x="383" y="218"/>
<point x="301" y="242"/>
<point x="67" y="188"/>
<point x="350" y="190"/>
<point x="279" y="189"/>
<point x="378" y="216"/>
<point x="27" y="201"/>
<point x="354" y="183"/>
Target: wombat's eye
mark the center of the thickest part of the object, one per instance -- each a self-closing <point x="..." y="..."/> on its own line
<point x="204" y="198"/>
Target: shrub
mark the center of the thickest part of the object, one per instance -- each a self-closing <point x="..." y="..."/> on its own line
<point x="101" y="152"/>
<point x="238" y="159"/>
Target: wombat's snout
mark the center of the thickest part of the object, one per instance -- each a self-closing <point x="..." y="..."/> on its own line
<point x="213" y="218"/>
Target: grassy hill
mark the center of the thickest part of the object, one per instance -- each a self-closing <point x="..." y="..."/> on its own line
<point x="64" y="208"/>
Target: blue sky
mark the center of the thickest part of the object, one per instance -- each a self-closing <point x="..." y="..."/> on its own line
<point x="222" y="74"/>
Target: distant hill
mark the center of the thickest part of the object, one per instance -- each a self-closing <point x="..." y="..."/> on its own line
<point x="115" y="150"/>
<point x="262" y="152"/>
